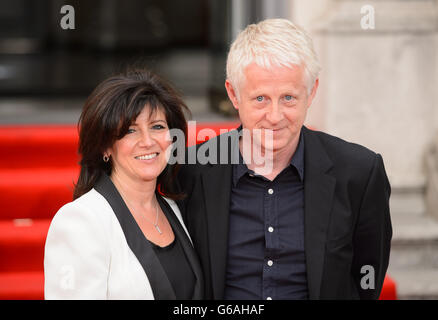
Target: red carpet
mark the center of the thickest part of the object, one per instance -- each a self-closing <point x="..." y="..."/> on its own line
<point x="38" y="166"/>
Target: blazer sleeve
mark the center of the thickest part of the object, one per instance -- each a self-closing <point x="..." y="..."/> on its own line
<point x="76" y="258"/>
<point x="372" y="237"/>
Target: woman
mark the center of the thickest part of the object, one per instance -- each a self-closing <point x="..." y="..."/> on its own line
<point x="121" y="238"/>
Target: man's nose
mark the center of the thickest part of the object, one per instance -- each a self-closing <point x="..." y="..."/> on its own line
<point x="274" y="114"/>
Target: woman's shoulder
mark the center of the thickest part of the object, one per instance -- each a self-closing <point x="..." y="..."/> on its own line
<point x="90" y="207"/>
<point x="91" y="199"/>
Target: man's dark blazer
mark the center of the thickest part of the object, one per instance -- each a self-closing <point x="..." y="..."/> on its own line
<point x="347" y="221"/>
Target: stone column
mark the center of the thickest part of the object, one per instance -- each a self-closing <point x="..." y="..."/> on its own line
<point x="379" y="84"/>
<point x="432" y="179"/>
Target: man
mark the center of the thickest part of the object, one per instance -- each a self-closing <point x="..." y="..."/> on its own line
<point x="316" y="224"/>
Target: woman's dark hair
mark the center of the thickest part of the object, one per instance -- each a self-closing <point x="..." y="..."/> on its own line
<point x="109" y="111"/>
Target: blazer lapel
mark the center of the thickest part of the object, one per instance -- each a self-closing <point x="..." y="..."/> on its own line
<point x="216" y="184"/>
<point x="319" y="188"/>
<point x="140" y="246"/>
<point x="187" y="246"/>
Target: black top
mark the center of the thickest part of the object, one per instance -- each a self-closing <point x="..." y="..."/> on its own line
<point x="177" y="268"/>
<point x="266" y="257"/>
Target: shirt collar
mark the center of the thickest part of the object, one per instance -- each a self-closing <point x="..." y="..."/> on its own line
<point x="240" y="169"/>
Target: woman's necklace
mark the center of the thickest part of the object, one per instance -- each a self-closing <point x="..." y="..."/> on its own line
<point x="155" y="224"/>
<point x="156" y="220"/>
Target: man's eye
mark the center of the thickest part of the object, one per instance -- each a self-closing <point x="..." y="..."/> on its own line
<point x="260" y="98"/>
<point x="288" y="97"/>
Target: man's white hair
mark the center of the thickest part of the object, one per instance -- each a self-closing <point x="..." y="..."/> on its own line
<point x="272" y="42"/>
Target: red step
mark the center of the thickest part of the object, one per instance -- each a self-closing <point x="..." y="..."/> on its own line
<point x="35" y="192"/>
<point x="34" y="146"/>
<point x="389" y="290"/>
<point x="22" y="285"/>
<point x="22" y="244"/>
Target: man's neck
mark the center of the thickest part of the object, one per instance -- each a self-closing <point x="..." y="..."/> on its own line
<point x="274" y="161"/>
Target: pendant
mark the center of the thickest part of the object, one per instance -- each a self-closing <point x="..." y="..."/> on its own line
<point x="158" y="228"/>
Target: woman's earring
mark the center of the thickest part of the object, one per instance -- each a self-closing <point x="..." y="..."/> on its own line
<point x="105" y="158"/>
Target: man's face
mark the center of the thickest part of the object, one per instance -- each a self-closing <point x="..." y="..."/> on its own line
<point x="273" y="99"/>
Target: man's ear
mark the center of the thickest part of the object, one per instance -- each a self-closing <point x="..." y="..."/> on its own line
<point x="313" y="93"/>
<point x="232" y="94"/>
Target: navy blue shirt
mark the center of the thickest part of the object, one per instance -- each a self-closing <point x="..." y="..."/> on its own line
<point x="266" y="257"/>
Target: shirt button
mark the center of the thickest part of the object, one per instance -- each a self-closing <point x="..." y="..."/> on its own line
<point x="270" y="229"/>
<point x="270" y="263"/>
<point x="268" y="298"/>
<point x="270" y="191"/>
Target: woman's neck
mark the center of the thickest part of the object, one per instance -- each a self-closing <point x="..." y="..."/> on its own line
<point x="136" y="192"/>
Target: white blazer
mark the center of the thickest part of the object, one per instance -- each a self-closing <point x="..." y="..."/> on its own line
<point x="95" y="250"/>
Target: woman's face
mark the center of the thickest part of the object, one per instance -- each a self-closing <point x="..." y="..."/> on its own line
<point x="141" y="154"/>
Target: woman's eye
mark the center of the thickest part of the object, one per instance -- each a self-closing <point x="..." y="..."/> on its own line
<point x="158" y="127"/>
<point x="260" y="98"/>
<point x="131" y="130"/>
